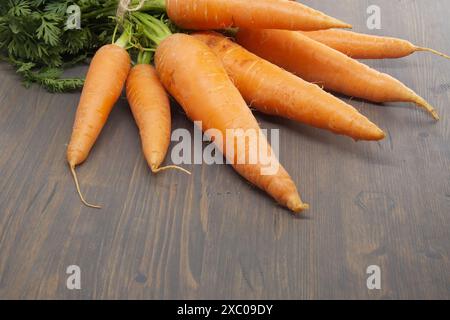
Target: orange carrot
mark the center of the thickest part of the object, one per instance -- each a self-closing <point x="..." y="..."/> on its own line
<point x="195" y="77"/>
<point x="318" y="63"/>
<point x="364" y="46"/>
<point x="104" y="83"/>
<point x="270" y="14"/>
<point x="275" y="91"/>
<point x="150" y="106"/>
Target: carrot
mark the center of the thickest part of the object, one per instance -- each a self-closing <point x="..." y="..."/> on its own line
<point x="271" y="14"/>
<point x="104" y="83"/>
<point x="195" y="77"/>
<point x="364" y="46"/>
<point x="318" y="63"/>
<point x="275" y="91"/>
<point x="150" y="106"/>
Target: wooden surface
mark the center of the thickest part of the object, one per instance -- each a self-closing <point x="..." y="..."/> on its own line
<point x="212" y="235"/>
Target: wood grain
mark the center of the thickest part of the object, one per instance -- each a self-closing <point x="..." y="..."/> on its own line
<point x="211" y="235"/>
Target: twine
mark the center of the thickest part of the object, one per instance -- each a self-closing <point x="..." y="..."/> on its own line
<point x="124" y="7"/>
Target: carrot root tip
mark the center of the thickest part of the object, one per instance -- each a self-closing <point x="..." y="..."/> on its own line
<point x="435" y="115"/>
<point x="77" y="184"/>
<point x="381" y="136"/>
<point x="296" y="205"/>
<point x="156" y="169"/>
<point x="443" y="55"/>
<point x="425" y="105"/>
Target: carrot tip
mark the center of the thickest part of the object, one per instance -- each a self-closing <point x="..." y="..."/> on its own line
<point x="155" y="169"/>
<point x="341" y="24"/>
<point x="435" y="115"/>
<point x="443" y="55"/>
<point x="374" y="135"/>
<point x="74" y="174"/>
<point x="424" y="104"/>
<point x="381" y="136"/>
<point x="296" y="205"/>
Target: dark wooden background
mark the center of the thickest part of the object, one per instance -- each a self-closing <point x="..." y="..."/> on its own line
<point x="212" y="235"/>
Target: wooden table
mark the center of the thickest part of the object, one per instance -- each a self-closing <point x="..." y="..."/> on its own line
<point x="212" y="235"/>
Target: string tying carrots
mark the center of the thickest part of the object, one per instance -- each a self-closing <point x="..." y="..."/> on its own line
<point x="124" y="7"/>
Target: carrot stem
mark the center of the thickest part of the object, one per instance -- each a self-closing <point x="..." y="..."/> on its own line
<point x="77" y="184"/>
<point x="144" y="57"/>
<point x="153" y="28"/>
<point x="152" y="5"/>
<point x="115" y="33"/>
<point x="123" y="40"/>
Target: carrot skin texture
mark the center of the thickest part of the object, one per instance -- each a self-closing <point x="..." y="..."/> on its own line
<point x="318" y="63"/>
<point x="270" y="14"/>
<point x="150" y="106"/>
<point x="275" y="91"/>
<point x="104" y="83"/>
<point x="194" y="76"/>
<point x="363" y="46"/>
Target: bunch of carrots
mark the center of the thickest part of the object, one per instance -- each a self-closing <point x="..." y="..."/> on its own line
<point x="280" y="58"/>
